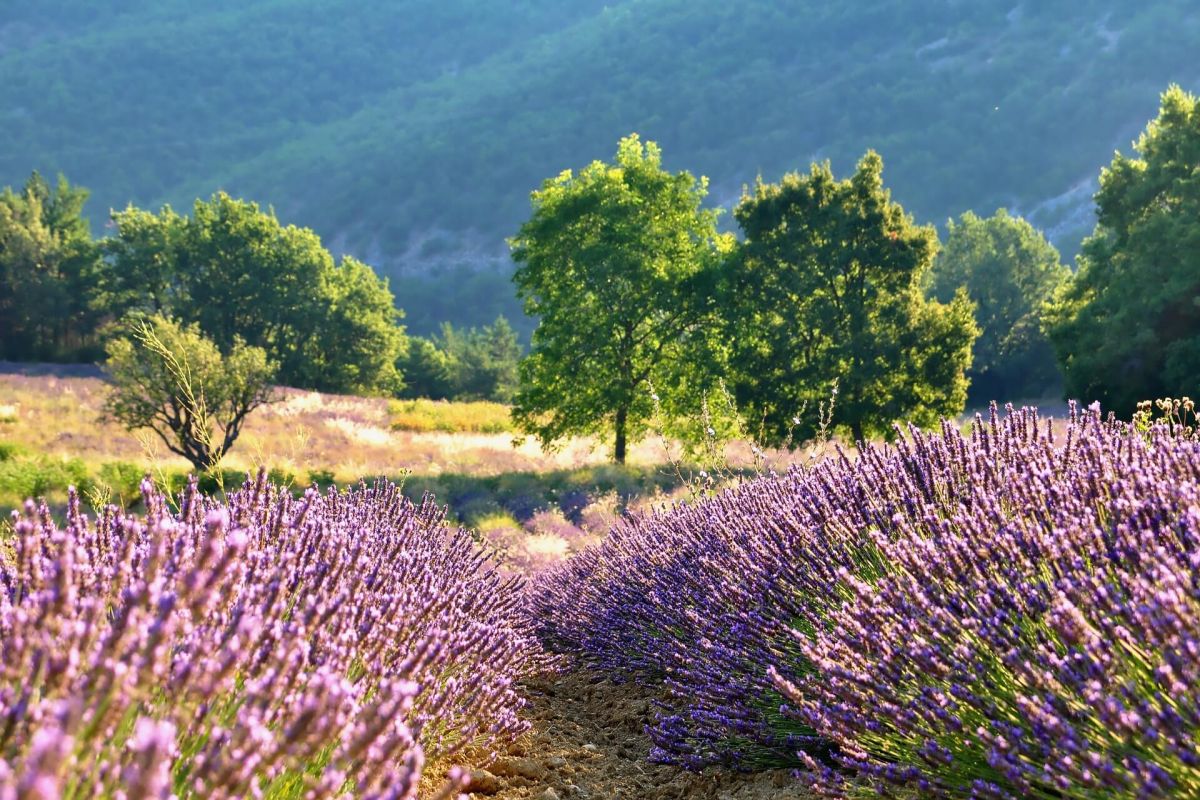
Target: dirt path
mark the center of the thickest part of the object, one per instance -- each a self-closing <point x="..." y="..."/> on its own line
<point x="588" y="743"/>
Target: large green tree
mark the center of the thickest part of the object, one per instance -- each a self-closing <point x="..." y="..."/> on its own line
<point x="613" y="263"/>
<point x="1127" y="327"/>
<point x="827" y="286"/>
<point x="356" y="341"/>
<point x="1009" y="271"/>
<point x="141" y="274"/>
<point x="47" y="263"/>
<point x="237" y="273"/>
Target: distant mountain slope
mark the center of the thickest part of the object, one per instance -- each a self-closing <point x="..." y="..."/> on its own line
<point x="411" y="132"/>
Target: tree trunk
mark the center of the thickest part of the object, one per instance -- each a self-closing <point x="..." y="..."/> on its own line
<point x="619" y="446"/>
<point x="856" y="430"/>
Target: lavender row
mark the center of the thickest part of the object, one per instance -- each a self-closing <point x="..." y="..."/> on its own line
<point x="345" y="643"/>
<point x="1004" y="613"/>
<point x="702" y="598"/>
<point x="1039" y="636"/>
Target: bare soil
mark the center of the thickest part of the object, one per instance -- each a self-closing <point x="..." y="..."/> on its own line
<point x="588" y="742"/>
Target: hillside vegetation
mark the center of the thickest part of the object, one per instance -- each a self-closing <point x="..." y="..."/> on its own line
<point x="411" y="133"/>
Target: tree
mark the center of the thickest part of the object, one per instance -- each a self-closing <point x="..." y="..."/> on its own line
<point x="47" y="262"/>
<point x="237" y="273"/>
<point x="169" y="378"/>
<point x="1009" y="271"/>
<point x="141" y="265"/>
<point x="827" y="286"/>
<point x="1127" y="327"/>
<point x="470" y="364"/>
<point x="426" y="370"/>
<point x="357" y="341"/>
<point x="502" y="354"/>
<point x="481" y="362"/>
<point x="613" y="262"/>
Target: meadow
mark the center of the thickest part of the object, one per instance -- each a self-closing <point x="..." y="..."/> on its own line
<point x="56" y="411"/>
<point x="535" y="506"/>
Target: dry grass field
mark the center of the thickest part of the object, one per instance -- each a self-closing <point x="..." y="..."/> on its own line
<point x="537" y="507"/>
<point x="57" y="411"/>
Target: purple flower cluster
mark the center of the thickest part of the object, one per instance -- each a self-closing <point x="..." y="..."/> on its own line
<point x="1013" y="612"/>
<point x="348" y="643"/>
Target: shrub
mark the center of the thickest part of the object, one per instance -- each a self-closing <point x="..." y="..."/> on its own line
<point x="320" y="477"/>
<point x="268" y="646"/>
<point x="123" y="481"/>
<point x="10" y="450"/>
<point x="41" y="476"/>
<point x="220" y="479"/>
<point x="169" y="378"/>
<point x="281" y="477"/>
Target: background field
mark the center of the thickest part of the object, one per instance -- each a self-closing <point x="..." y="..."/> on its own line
<point x="536" y="506"/>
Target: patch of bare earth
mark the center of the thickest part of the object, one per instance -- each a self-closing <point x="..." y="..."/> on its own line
<point x="588" y="742"/>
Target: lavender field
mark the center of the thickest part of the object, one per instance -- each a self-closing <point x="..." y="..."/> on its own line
<point x="607" y="399"/>
<point x="345" y="643"/>
<point x="1009" y="612"/>
<point x="1012" y="612"/>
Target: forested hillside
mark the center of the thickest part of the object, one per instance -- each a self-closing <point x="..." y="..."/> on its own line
<point x="410" y="133"/>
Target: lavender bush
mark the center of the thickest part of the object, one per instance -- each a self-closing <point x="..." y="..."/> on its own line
<point x="269" y="647"/>
<point x="704" y="597"/>
<point x="1037" y="631"/>
<point x="1006" y="613"/>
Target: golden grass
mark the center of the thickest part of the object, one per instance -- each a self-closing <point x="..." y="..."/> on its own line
<point x="52" y="435"/>
<point x="423" y="416"/>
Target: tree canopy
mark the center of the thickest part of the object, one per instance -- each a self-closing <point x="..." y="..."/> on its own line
<point x="613" y="263"/>
<point x="1127" y="327"/>
<point x="237" y="273"/>
<point x="1009" y="271"/>
<point x="827" y="287"/>
<point x="47" y="262"/>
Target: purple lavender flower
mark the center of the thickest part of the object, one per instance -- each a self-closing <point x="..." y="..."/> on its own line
<point x="345" y="642"/>
<point x="1013" y="612"/>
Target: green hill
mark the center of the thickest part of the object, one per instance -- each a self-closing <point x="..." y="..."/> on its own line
<point x="411" y="132"/>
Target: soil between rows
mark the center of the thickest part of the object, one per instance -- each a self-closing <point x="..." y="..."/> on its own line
<point x="588" y="743"/>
